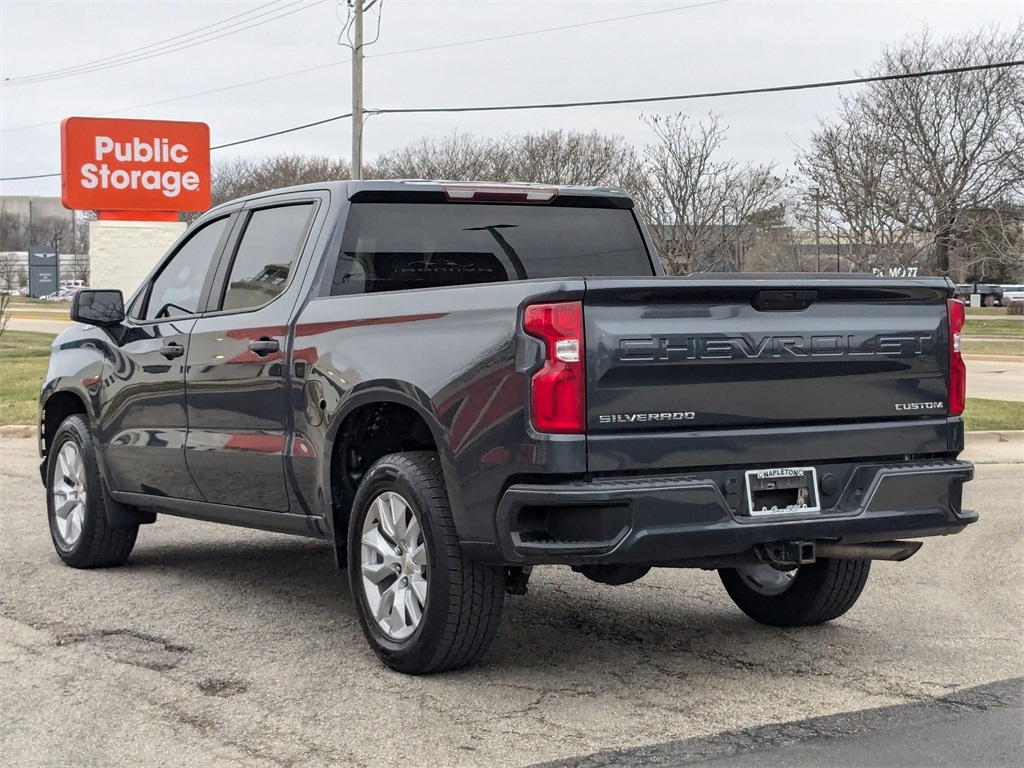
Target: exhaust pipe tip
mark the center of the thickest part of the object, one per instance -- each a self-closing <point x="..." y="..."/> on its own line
<point x="895" y="551"/>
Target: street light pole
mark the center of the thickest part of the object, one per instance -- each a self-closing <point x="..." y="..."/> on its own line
<point x="817" y="228"/>
<point x="839" y="234"/>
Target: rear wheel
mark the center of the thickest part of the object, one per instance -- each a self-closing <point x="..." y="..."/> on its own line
<point x="76" y="502"/>
<point x="810" y="594"/>
<point x="423" y="605"/>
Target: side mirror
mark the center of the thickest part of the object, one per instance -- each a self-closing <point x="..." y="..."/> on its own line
<point x="102" y="308"/>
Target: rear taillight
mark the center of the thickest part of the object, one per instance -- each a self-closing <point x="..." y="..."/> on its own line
<point x="957" y="369"/>
<point x="558" y="390"/>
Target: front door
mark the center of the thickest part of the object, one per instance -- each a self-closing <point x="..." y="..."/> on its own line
<point x="239" y="412"/>
<point x="145" y="418"/>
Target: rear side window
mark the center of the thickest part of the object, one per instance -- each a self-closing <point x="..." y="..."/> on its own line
<point x="400" y="246"/>
<point x="266" y="255"/>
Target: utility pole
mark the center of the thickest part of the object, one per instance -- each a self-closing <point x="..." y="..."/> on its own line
<point x="357" y="91"/>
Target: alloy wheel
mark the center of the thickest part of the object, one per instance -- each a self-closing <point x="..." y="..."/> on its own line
<point x="394" y="566"/>
<point x="69" y="494"/>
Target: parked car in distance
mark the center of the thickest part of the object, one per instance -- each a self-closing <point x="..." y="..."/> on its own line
<point x="989" y="295"/>
<point x="1012" y="293"/>
<point x="453" y="383"/>
<point x="65" y="294"/>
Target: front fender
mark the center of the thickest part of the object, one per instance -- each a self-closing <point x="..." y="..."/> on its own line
<point x="76" y="369"/>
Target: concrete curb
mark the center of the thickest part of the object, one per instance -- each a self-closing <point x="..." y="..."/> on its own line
<point x="995" y="436"/>
<point x="993" y="358"/>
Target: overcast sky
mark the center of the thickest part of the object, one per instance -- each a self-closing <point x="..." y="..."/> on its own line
<point x="717" y="46"/>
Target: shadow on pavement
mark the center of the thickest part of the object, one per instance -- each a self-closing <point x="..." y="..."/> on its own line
<point x="564" y="622"/>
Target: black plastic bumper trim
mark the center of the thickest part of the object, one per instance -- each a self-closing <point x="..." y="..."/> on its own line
<point x="681" y="518"/>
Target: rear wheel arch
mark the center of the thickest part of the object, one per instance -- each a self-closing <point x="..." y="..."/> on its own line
<point x="371" y="428"/>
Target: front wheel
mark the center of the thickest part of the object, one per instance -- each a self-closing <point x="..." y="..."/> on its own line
<point x="76" y="502"/>
<point x="810" y="594"/>
<point x="423" y="605"/>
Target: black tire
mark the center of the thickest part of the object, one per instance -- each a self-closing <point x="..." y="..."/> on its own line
<point x="821" y="591"/>
<point x="98" y="545"/>
<point x="464" y="599"/>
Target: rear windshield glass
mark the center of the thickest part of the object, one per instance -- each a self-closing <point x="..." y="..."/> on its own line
<point x="399" y="246"/>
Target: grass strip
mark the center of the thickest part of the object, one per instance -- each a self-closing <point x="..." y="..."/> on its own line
<point x="23" y="360"/>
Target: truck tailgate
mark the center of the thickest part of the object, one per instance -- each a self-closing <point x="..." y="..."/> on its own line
<point x="717" y="353"/>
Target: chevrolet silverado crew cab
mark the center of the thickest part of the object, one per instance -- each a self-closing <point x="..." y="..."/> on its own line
<point x="453" y="383"/>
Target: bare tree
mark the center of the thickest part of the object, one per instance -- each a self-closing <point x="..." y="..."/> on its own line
<point x="9" y="270"/>
<point x="990" y="245"/>
<point x="570" y="157"/>
<point x="5" y="301"/>
<point x="905" y="159"/>
<point x="13" y="231"/>
<point x="548" y="157"/>
<point x="854" y="184"/>
<point x="55" y="231"/>
<point x="82" y="222"/>
<point x="699" y="206"/>
<point x="457" y="157"/>
<point x="246" y="176"/>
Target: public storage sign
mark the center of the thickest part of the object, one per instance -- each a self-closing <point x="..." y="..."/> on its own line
<point x="134" y="165"/>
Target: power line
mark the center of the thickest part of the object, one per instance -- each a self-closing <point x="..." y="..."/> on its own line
<point x="302" y="127"/>
<point x="704" y="95"/>
<point x="552" y="29"/>
<point x="188" y="40"/>
<point x="143" y="48"/>
<point x="34" y="176"/>
<point x="251" y="139"/>
<point x="376" y="55"/>
<point x="125" y="59"/>
<point x="183" y="98"/>
<point x="612" y="102"/>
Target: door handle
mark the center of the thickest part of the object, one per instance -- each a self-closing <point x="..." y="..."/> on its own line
<point x="264" y="346"/>
<point x="172" y="350"/>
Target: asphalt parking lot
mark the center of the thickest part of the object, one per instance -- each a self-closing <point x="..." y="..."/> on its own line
<point x="218" y="646"/>
<point x="995" y="379"/>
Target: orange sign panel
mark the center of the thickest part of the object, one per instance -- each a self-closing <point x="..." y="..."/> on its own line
<point x="111" y="164"/>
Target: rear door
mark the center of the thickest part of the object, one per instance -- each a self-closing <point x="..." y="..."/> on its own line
<point x="145" y="420"/>
<point x="237" y="376"/>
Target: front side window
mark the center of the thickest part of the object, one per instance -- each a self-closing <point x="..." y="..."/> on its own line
<point x="266" y="255"/>
<point x="178" y="288"/>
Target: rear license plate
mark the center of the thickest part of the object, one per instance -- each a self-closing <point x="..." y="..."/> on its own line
<point x="782" y="491"/>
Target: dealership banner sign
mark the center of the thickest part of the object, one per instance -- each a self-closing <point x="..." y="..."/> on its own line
<point x="117" y="166"/>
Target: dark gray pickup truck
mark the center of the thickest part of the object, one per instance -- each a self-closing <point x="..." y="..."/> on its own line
<point x="454" y="383"/>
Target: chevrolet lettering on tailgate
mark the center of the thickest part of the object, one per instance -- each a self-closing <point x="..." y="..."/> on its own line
<point x="672" y="348"/>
